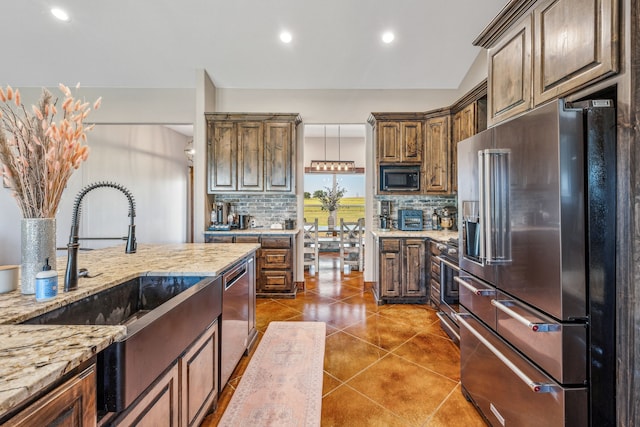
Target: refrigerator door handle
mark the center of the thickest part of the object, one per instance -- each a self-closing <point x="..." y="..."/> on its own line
<point x="494" y="202"/>
<point x="482" y="219"/>
<point x="503" y="305"/>
<point x="535" y="387"/>
<point x="474" y="290"/>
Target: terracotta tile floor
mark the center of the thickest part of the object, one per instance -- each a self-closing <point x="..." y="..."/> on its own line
<point x="388" y="365"/>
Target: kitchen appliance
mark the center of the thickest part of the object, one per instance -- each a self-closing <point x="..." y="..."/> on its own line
<point x="222" y="213"/>
<point x="448" y="218"/>
<point x="244" y="221"/>
<point x="399" y="178"/>
<point x="384" y="212"/>
<point x="289" y="224"/>
<point x="236" y="317"/>
<point x="444" y="287"/>
<point x="537" y="200"/>
<point x="409" y="220"/>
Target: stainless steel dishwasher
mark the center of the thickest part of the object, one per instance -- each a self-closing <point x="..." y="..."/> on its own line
<point x="238" y="308"/>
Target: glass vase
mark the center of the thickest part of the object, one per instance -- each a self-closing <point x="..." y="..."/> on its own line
<point x="38" y="236"/>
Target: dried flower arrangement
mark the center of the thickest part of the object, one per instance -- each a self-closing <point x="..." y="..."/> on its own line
<point x="330" y="198"/>
<point x="38" y="154"/>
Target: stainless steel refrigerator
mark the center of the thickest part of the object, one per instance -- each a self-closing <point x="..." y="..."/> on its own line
<point x="537" y="213"/>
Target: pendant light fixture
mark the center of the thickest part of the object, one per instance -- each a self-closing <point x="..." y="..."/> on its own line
<point x="332" y="166"/>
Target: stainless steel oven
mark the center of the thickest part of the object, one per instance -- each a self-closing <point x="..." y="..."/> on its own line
<point x="449" y="298"/>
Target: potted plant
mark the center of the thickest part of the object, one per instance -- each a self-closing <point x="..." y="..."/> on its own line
<point x="38" y="155"/>
<point x="330" y="201"/>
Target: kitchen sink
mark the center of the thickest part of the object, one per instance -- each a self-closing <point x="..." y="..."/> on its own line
<point x="163" y="316"/>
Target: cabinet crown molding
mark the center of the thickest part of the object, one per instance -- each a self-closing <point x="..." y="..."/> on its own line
<point x="267" y="117"/>
<point x="511" y="13"/>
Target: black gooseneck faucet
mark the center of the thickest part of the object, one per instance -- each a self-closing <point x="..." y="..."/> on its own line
<point x="71" y="274"/>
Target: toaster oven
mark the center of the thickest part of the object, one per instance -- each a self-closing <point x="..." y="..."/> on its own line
<point x="409" y="220"/>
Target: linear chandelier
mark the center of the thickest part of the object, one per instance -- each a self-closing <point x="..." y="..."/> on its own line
<point x="329" y="166"/>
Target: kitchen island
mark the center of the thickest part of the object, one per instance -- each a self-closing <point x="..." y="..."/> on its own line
<point x="33" y="358"/>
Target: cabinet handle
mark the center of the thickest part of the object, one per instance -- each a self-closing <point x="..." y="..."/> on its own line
<point x="534" y="386"/>
<point x="503" y="305"/>
<point x="474" y="290"/>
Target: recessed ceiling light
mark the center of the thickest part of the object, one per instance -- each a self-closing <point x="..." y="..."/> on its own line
<point x="388" y="37"/>
<point x="286" y="37"/>
<point x="60" y="14"/>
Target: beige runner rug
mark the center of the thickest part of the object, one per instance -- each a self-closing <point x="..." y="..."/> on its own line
<point x="282" y="386"/>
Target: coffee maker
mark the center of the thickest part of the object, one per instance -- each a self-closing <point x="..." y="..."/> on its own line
<point x="448" y="216"/>
<point x="384" y="212"/>
<point x="220" y="214"/>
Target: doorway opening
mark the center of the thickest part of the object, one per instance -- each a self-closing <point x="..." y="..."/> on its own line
<point x="334" y="195"/>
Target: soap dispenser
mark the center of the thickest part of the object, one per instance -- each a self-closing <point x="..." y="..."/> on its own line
<point x="46" y="283"/>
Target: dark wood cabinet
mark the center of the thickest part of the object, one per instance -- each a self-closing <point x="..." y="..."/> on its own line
<point x="437" y="165"/>
<point x="251" y="152"/>
<point x="575" y="43"/>
<point x="275" y="267"/>
<point x="71" y="404"/>
<point x="399" y="139"/>
<point x="274" y="261"/>
<point x="470" y="117"/>
<point x="401" y="271"/>
<point x="510" y="66"/>
<point x="434" y="274"/>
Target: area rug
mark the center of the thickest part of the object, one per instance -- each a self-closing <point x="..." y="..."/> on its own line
<point x="282" y="385"/>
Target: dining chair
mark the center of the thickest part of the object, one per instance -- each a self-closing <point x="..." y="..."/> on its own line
<point x="310" y="251"/>
<point x="351" y="247"/>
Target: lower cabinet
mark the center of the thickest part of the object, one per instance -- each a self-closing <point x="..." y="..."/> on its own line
<point x="71" y="404"/>
<point x="184" y="394"/>
<point x="274" y="261"/>
<point x="402" y="270"/>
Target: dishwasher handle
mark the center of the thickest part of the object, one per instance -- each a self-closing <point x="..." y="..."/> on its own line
<point x="234" y="275"/>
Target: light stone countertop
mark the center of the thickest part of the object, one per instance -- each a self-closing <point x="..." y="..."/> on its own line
<point x="32" y="357"/>
<point x="263" y="230"/>
<point x="441" y="236"/>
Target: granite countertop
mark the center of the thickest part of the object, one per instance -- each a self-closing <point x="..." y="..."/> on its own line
<point x="264" y="230"/>
<point x="32" y="357"/>
<point x="441" y="236"/>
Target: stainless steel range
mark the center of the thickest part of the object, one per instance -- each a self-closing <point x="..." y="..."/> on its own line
<point x="444" y="287"/>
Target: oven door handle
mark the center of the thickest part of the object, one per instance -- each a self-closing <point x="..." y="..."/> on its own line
<point x="474" y="290"/>
<point x="534" y="386"/>
<point x="503" y="306"/>
<point x="448" y="263"/>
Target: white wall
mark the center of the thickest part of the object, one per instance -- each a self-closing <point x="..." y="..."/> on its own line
<point x="148" y="160"/>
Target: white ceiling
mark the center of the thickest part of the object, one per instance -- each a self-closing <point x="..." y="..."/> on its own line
<point x="160" y="43"/>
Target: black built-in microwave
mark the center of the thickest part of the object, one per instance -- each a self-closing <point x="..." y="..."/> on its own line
<point x="399" y="178"/>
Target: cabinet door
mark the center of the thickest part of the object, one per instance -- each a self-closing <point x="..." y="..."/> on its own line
<point x="250" y="156"/>
<point x="199" y="377"/>
<point x="414" y="279"/>
<point x="464" y="126"/>
<point x="278" y="146"/>
<point x="158" y="407"/>
<point x="390" y="268"/>
<point x="71" y="404"/>
<point x="576" y="42"/>
<point x="437" y="155"/>
<point x="222" y="156"/>
<point x="388" y="140"/>
<point x="411" y="142"/>
<point x="509" y="81"/>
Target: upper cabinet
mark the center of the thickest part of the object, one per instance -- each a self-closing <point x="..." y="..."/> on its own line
<point x="541" y="50"/>
<point x="398" y="137"/>
<point x="509" y="81"/>
<point x="438" y="164"/>
<point x="576" y="43"/>
<point x="469" y="117"/>
<point x="251" y="152"/>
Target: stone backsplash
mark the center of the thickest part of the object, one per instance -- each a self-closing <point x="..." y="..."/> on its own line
<point x="265" y="209"/>
<point x="424" y="203"/>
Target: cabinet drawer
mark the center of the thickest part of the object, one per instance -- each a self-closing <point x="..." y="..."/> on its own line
<point x="390" y="245"/>
<point x="247" y="239"/>
<point x="278" y="259"/>
<point x="218" y="239"/>
<point x="435" y="268"/>
<point x="274" y="280"/>
<point x="435" y="291"/>
<point x="276" y="242"/>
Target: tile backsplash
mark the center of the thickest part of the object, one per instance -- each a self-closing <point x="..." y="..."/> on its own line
<point x="424" y="203"/>
<point x="265" y="209"/>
